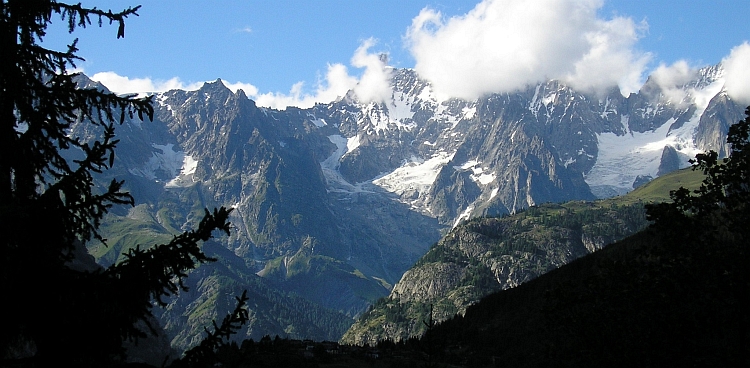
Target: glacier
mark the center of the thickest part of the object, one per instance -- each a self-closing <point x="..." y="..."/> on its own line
<point x="622" y="158"/>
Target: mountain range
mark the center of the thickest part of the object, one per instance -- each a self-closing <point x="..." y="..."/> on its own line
<point x="333" y="204"/>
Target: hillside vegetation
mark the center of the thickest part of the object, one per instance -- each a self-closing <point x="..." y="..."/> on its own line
<point x="646" y="301"/>
<point x="485" y="255"/>
<point x="272" y="311"/>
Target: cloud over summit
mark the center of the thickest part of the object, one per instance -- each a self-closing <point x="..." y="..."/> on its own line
<point x="737" y="73"/>
<point x="504" y="45"/>
<point x="498" y="46"/>
<point x="372" y="85"/>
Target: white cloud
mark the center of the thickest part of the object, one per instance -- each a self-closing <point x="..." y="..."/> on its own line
<point x="372" y="85"/>
<point x="375" y="83"/>
<point x="120" y="84"/>
<point x="504" y="45"/>
<point x="671" y="79"/>
<point x="737" y="73"/>
<point x="337" y="82"/>
<point x="248" y="88"/>
<point x="611" y="59"/>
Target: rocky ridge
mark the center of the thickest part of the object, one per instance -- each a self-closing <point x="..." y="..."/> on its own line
<point x="336" y="202"/>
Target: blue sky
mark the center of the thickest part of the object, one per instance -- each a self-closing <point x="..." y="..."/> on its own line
<point x="301" y="51"/>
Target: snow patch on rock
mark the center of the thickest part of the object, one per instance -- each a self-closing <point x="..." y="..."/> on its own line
<point x="165" y="162"/>
<point x="330" y="167"/>
<point x="186" y="175"/>
<point x="479" y="174"/>
<point x="414" y="179"/>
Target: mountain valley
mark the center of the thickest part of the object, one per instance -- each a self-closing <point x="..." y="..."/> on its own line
<point x="334" y="206"/>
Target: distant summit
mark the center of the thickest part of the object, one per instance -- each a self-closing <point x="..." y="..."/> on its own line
<point x="335" y="202"/>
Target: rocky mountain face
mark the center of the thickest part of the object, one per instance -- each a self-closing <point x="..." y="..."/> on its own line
<point x="334" y="203"/>
<point x="485" y="255"/>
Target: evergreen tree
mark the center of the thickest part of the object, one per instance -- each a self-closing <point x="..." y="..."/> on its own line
<point x="55" y="310"/>
<point x="718" y="211"/>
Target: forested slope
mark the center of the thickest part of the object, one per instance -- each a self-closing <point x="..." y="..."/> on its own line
<point x="485" y="255"/>
<point x="644" y="302"/>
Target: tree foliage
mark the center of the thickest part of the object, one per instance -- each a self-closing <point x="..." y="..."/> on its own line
<point x="720" y="206"/>
<point x="58" y="306"/>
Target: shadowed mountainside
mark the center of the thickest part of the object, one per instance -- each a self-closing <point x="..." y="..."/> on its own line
<point x="485" y="255"/>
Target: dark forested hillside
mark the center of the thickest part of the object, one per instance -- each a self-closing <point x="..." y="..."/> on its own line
<point x="643" y="302"/>
<point x="485" y="255"/>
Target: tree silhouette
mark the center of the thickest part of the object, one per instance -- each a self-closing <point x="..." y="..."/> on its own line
<point x="719" y="208"/>
<point x="56" y="308"/>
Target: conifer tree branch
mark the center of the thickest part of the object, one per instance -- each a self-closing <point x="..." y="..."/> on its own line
<point x="78" y="16"/>
<point x="198" y="355"/>
<point x="159" y="270"/>
<point x="40" y="102"/>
